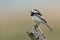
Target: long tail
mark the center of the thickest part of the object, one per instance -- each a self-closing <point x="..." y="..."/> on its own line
<point x="48" y="26"/>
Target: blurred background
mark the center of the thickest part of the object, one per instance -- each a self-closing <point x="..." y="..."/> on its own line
<point x="15" y="18"/>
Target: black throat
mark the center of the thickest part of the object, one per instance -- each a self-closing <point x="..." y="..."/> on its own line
<point x="32" y="14"/>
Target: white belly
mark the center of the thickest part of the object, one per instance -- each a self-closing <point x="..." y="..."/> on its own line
<point x="36" y="19"/>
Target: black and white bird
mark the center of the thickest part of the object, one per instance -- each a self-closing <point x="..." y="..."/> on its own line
<point x="37" y="17"/>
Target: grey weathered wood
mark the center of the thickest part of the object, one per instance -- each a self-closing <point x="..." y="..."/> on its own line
<point x="36" y="34"/>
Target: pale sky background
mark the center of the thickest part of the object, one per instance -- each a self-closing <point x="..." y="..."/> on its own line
<point x="11" y="7"/>
<point x="11" y="4"/>
<point x="24" y="6"/>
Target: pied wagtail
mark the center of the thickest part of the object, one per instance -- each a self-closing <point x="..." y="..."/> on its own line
<point x="37" y="17"/>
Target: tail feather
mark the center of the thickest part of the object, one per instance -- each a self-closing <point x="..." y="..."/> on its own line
<point x="48" y="26"/>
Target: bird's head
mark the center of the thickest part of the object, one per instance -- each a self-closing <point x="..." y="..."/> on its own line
<point x="34" y="11"/>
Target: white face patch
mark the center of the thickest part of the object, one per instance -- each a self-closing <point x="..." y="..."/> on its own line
<point x="34" y="11"/>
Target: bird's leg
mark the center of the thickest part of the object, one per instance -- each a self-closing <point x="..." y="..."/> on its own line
<point x="37" y="24"/>
<point x="36" y="27"/>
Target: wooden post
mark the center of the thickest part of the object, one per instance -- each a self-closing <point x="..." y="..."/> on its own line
<point x="35" y="33"/>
